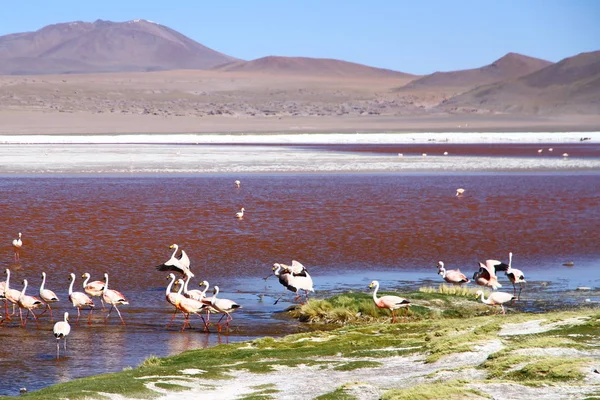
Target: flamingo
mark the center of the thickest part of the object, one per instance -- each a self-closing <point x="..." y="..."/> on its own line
<point x="112" y="297"/>
<point x="486" y="276"/>
<point x="178" y="264"/>
<point x="390" y="302"/>
<point x="17" y="243"/>
<point x="453" y="276"/>
<point x="61" y="331"/>
<point x="195" y="294"/>
<point x="240" y="214"/>
<point x="172" y="297"/>
<point x="94" y="288"/>
<point x="47" y="295"/>
<point x="29" y="303"/>
<point x="460" y="192"/>
<point x="296" y="268"/>
<point x="224" y="306"/>
<point x="10" y="295"/>
<point x="515" y="276"/>
<point x="80" y="300"/>
<point x="495" y="298"/>
<point x="294" y="283"/>
<point x="189" y="306"/>
<point x="237" y="183"/>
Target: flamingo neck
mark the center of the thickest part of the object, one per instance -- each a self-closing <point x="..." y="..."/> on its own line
<point x="24" y="288"/>
<point x="71" y="284"/>
<point x="175" y="251"/>
<point x="185" y="285"/>
<point x="375" y="299"/>
<point x="87" y="278"/>
<point x="180" y="287"/>
<point x="170" y="285"/>
<point x="205" y="289"/>
<point x="43" y="282"/>
<point x="7" y="279"/>
<point x="105" y="283"/>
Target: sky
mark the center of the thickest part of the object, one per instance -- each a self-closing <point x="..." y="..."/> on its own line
<point x="418" y="37"/>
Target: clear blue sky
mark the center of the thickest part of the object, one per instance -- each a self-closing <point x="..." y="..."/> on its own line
<point x="412" y="36"/>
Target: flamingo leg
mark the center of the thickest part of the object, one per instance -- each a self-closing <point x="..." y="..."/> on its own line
<point x="393" y="317"/>
<point x="57" y="349"/>
<point x="108" y="315"/>
<point x="90" y="316"/>
<point x="78" y="315"/>
<point x="119" y="312"/>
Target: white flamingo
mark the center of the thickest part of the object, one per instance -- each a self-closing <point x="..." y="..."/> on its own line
<point x="47" y="295"/>
<point x="29" y="303"/>
<point x="224" y="306"/>
<point x="17" y="244"/>
<point x="189" y="306"/>
<point x="294" y="283"/>
<point x="460" y="192"/>
<point x="495" y="298"/>
<point x="390" y="302"/>
<point x="237" y="183"/>
<point x="80" y="300"/>
<point x="178" y="264"/>
<point x="94" y="288"/>
<point x="61" y="331"/>
<point x="240" y="214"/>
<point x="112" y="297"/>
<point x="173" y="297"/>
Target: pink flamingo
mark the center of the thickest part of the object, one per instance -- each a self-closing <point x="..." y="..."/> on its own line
<point x="80" y="300"/>
<point x="188" y="306"/>
<point x="390" y="302"/>
<point x="224" y="306"/>
<point x="515" y="276"/>
<point x="61" y="330"/>
<point x="94" y="288"/>
<point x="173" y="297"/>
<point x="495" y="298"/>
<point x="29" y="303"/>
<point x="47" y="295"/>
<point x="11" y="295"/>
<point x="453" y="276"/>
<point x="113" y="297"/>
<point x="486" y="276"/>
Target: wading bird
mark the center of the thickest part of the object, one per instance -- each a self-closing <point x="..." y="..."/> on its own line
<point x="47" y="295"/>
<point x="390" y="302"/>
<point x="189" y="306"/>
<point x="11" y="295"/>
<point x="61" y="331"/>
<point x="515" y="276"/>
<point x="293" y="283"/>
<point x="240" y="214"/>
<point x="179" y="264"/>
<point x="17" y="243"/>
<point x="29" y="303"/>
<point x="460" y="192"/>
<point x="94" y="288"/>
<point x="172" y="297"/>
<point x="112" y="297"/>
<point x="495" y="298"/>
<point x="224" y="306"/>
<point x="80" y="300"/>
<point x="237" y="183"/>
<point x="453" y="276"/>
<point x="486" y="276"/>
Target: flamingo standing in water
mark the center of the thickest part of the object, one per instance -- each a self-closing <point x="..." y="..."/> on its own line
<point x="453" y="276"/>
<point x="460" y="192"/>
<point x="178" y="264"/>
<point x="294" y="282"/>
<point x="29" y="303"/>
<point x="17" y="244"/>
<point x="224" y="306"/>
<point x="94" y="288"/>
<point x="515" y="276"/>
<point x="189" y="306"/>
<point x="237" y="183"/>
<point x="172" y="297"/>
<point x="390" y="302"/>
<point x="240" y="214"/>
<point x="61" y="331"/>
<point x="47" y="295"/>
<point x="80" y="300"/>
<point x="486" y="276"/>
<point x="112" y="297"/>
<point x="495" y="298"/>
<point x="10" y="295"/>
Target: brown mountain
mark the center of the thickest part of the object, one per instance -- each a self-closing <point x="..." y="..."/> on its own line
<point x="512" y="65"/>
<point x="103" y="46"/>
<point x="311" y="66"/>
<point x="569" y="86"/>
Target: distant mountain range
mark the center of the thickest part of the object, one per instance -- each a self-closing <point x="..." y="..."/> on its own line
<point x="514" y="83"/>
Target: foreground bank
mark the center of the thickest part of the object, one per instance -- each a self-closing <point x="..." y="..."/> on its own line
<point x="450" y="345"/>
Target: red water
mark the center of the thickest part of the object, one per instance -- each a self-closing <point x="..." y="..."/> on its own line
<point x="346" y="228"/>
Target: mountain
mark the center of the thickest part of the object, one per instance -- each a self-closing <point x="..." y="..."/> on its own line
<point x="570" y="86"/>
<point x="104" y="46"/>
<point x="311" y="66"/>
<point x="512" y="65"/>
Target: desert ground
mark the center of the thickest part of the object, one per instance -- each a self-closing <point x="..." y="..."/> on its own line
<point x="187" y="101"/>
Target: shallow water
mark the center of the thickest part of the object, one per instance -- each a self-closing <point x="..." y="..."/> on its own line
<point x="348" y="229"/>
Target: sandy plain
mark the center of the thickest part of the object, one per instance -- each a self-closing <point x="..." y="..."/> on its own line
<point x="245" y="102"/>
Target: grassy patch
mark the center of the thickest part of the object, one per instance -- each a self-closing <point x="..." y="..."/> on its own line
<point x="171" y="386"/>
<point x="452" y="390"/>
<point x="351" y="366"/>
